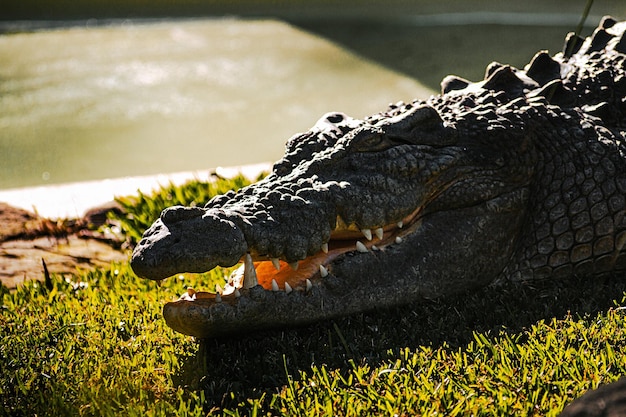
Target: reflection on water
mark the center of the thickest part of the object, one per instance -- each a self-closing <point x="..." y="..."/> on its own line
<point x="87" y="103"/>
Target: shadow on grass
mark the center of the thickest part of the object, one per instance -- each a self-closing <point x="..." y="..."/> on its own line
<point x="230" y="371"/>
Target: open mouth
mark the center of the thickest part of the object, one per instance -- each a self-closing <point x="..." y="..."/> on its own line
<point x="273" y="274"/>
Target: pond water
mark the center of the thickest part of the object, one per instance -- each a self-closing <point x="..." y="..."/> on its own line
<point x="84" y="103"/>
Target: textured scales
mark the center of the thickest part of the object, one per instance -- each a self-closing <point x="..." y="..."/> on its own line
<point x="521" y="176"/>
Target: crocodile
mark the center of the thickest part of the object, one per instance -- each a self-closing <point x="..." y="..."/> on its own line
<point x="518" y="177"/>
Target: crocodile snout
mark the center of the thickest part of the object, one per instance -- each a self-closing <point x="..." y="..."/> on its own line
<point x="164" y="250"/>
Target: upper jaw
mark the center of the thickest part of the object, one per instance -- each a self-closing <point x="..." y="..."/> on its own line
<point x="298" y="226"/>
<point x="177" y="242"/>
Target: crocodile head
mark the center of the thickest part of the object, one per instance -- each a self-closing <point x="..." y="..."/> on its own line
<point x="417" y="201"/>
<point x="500" y="179"/>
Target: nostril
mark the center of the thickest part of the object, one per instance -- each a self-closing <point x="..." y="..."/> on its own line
<point x="335" y="117"/>
<point x="177" y="214"/>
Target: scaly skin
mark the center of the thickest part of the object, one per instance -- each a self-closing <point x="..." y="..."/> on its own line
<point x="521" y="176"/>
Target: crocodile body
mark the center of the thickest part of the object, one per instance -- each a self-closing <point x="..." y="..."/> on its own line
<point x="521" y="176"/>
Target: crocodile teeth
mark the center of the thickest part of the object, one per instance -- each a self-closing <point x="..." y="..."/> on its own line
<point x="218" y="298"/>
<point x="360" y="247"/>
<point x="288" y="288"/>
<point x="341" y="224"/>
<point x="275" y="285"/>
<point x="323" y="271"/>
<point x="190" y="295"/>
<point x="325" y="247"/>
<point x="276" y="263"/>
<point x="294" y="265"/>
<point x="379" y="233"/>
<point x="398" y="239"/>
<point x="237" y="293"/>
<point x="308" y="285"/>
<point x="400" y="224"/>
<point x="367" y="233"/>
<point x="249" y="274"/>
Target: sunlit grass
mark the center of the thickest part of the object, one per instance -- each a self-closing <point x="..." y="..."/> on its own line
<point x="95" y="343"/>
<point x="500" y="375"/>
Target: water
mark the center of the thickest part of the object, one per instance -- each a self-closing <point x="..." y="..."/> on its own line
<point x="83" y="103"/>
<point x="126" y="99"/>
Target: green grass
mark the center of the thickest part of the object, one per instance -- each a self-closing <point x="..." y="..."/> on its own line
<point x="95" y="343"/>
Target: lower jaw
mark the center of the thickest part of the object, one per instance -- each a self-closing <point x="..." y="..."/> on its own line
<point x="257" y="309"/>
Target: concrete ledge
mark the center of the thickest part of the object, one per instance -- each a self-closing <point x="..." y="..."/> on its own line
<point x="73" y="199"/>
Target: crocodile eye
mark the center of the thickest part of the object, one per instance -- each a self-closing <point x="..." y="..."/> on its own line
<point x="369" y="141"/>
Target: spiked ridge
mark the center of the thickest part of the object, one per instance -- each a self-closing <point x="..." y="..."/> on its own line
<point x="519" y="176"/>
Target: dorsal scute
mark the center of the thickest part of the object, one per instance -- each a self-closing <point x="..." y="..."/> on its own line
<point x="492" y="68"/>
<point x="543" y="68"/>
<point x="453" y="83"/>
<point x="608" y="36"/>
<point x="509" y="80"/>
<point x="589" y="74"/>
<point x="599" y="40"/>
<point x="607" y="22"/>
<point x="572" y="45"/>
